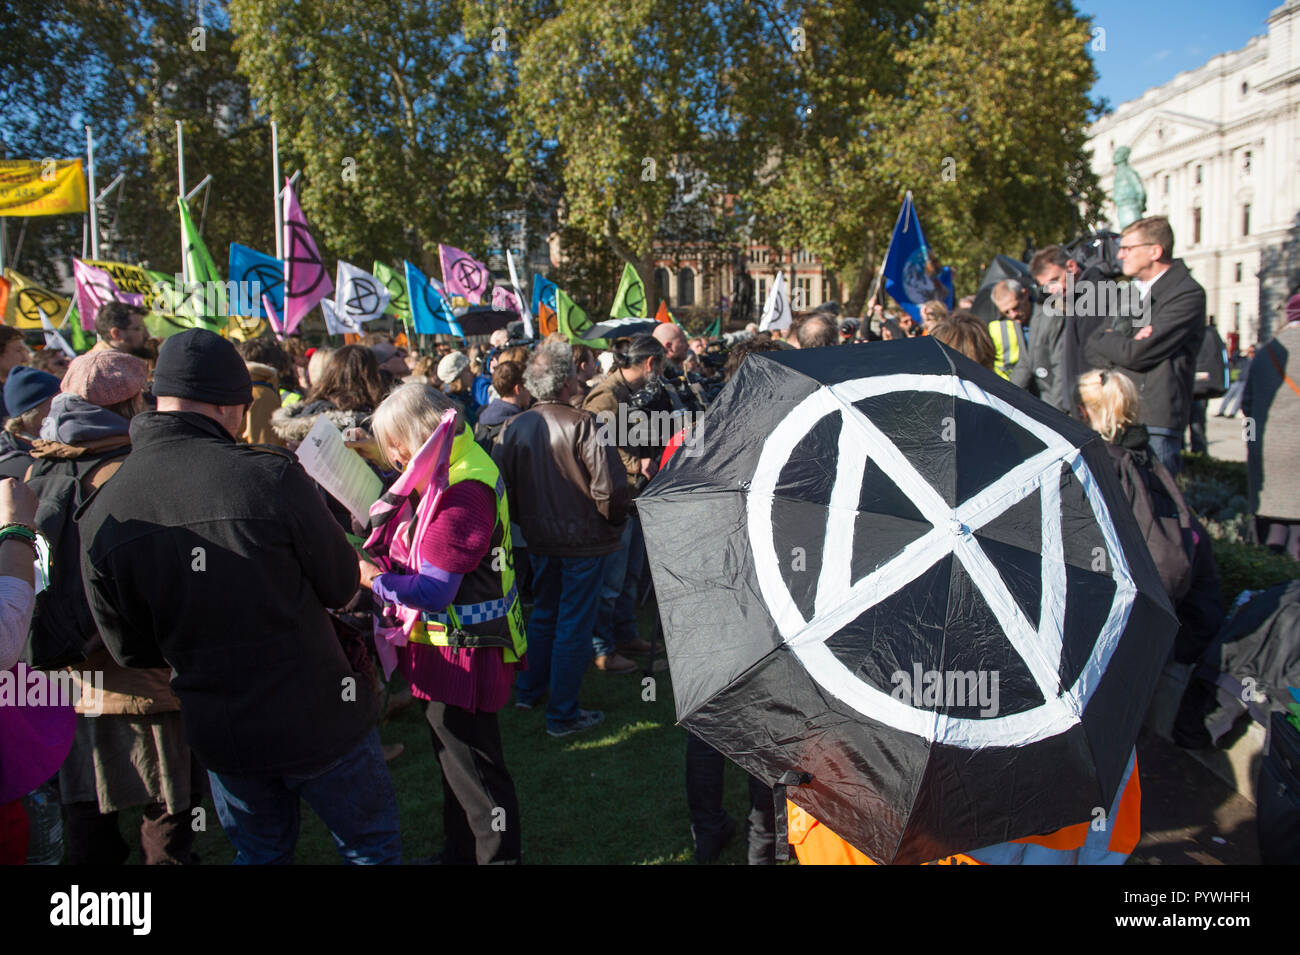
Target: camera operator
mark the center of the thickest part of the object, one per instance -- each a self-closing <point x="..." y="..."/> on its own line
<point x="633" y="386"/>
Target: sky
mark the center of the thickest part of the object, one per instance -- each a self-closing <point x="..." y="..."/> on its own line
<point x="1148" y="43"/>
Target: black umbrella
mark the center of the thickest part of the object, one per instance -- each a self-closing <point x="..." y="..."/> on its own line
<point x="484" y="319"/>
<point x="621" y="328"/>
<point x="888" y="568"/>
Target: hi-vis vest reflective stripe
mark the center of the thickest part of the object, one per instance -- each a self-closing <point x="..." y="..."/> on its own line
<point x="1007" y="340"/>
<point x="486" y="611"/>
<point x="1086" y="843"/>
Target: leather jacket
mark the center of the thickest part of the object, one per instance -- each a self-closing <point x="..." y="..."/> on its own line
<point x="567" y="489"/>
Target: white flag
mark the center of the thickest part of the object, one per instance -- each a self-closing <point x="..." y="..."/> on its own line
<point x="360" y="297"/>
<point x="776" y="313"/>
<point x="523" y="301"/>
<point x="52" y="337"/>
<point x="337" y="323"/>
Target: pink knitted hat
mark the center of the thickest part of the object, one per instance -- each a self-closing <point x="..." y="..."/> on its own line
<point x="105" y="377"/>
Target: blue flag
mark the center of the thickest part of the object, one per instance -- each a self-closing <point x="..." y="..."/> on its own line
<point x="543" y="293"/>
<point x="907" y="278"/>
<point x="430" y="311"/>
<point x="248" y="266"/>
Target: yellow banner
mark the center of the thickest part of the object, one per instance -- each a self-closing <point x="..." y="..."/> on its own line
<point x="42" y="187"/>
<point x="27" y="301"/>
<point x="129" y="279"/>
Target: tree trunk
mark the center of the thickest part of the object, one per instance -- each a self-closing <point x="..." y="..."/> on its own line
<point x="862" y="285"/>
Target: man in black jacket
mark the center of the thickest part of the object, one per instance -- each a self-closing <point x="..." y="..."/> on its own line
<point x="219" y="560"/>
<point x="1157" y="349"/>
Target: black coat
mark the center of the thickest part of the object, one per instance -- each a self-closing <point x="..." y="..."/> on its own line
<point x="219" y="560"/>
<point x="1162" y="365"/>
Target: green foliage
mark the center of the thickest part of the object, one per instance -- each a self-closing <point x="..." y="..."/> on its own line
<point x="1245" y="566"/>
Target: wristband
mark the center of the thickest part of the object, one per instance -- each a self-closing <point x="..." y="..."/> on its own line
<point x="18" y="532"/>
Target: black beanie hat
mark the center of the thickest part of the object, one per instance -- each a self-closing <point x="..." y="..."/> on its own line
<point x="202" y="366"/>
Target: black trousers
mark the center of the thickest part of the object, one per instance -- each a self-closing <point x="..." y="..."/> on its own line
<point x="704" y="769"/>
<point x="480" y="810"/>
<point x="1200" y="407"/>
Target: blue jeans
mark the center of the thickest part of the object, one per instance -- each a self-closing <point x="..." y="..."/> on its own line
<point x="566" y="594"/>
<point x="1167" y="445"/>
<point x="354" y="797"/>
<point x="616" y="622"/>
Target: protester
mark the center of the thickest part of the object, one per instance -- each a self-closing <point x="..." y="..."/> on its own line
<point x="1011" y="348"/>
<point x="588" y="370"/>
<point x="964" y="332"/>
<point x="393" y="363"/>
<point x="272" y="705"/>
<point x="508" y="382"/>
<point x="640" y="363"/>
<point x="120" y="327"/>
<point x="34" y="739"/>
<point x="84" y="441"/>
<point x="1047" y="334"/>
<point x="53" y="361"/>
<point x="318" y="360"/>
<point x="1158" y="349"/>
<point x="816" y="331"/>
<point x="423" y="371"/>
<point x="1271" y="402"/>
<point x="570" y="495"/>
<point x="458" y="382"/>
<point x="257" y="427"/>
<point x="933" y="313"/>
<point x="670" y="335"/>
<point x="27" y="394"/>
<point x="13" y="353"/>
<point x="347" y="393"/>
<point x="460" y="564"/>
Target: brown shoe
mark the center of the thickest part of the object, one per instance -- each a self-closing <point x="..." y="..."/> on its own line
<point x="613" y="663"/>
<point x="635" y="646"/>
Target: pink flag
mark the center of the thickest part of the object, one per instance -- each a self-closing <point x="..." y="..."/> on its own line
<point x="306" y="280"/>
<point x="463" y="275"/>
<point x="504" y="300"/>
<point x="271" y="317"/>
<point x="95" y="287"/>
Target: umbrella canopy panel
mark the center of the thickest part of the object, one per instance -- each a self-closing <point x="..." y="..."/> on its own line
<point x="921" y="586"/>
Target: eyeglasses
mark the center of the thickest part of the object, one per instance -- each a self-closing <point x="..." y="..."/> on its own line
<point x="1136" y="245"/>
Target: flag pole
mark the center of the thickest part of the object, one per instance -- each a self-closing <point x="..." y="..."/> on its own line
<point x="180" y="181"/>
<point x="878" y="282"/>
<point x="275" y="191"/>
<point x="94" y="217"/>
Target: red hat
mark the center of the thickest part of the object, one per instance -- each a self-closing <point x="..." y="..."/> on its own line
<point x="105" y="377"/>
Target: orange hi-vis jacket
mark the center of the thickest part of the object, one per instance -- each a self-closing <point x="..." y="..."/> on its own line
<point x="1081" y="844"/>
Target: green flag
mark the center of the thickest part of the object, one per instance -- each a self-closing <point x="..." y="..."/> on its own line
<point x="573" y="321"/>
<point x="715" y="328"/>
<point x="399" y="303"/>
<point x="168" y="302"/>
<point x="209" y="302"/>
<point x="76" y="334"/>
<point x="629" y="300"/>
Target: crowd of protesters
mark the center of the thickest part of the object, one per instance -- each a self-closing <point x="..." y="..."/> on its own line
<point x="247" y="646"/>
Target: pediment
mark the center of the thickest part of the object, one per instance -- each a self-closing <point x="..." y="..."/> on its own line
<point x="1166" y="129"/>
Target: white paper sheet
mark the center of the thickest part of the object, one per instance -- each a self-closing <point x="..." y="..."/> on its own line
<point x="338" y="469"/>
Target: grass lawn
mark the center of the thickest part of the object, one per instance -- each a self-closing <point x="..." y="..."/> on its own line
<point x="612" y="795"/>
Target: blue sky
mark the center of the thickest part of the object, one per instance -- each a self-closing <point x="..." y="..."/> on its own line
<point x="1147" y="44"/>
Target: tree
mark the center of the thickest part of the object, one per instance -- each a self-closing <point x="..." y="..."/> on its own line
<point x="395" y="115"/>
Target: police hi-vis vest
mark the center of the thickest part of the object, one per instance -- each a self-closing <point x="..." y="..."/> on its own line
<point x="486" y="611"/>
<point x="1007" y="341"/>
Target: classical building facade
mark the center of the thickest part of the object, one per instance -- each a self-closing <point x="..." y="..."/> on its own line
<point x="704" y="280"/>
<point x="1218" y="150"/>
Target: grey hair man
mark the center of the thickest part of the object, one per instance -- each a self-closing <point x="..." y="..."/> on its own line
<point x="817" y="332"/>
<point x="569" y="494"/>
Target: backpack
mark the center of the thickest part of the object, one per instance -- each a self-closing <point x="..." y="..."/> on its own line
<point x="486" y="434"/>
<point x="1211" y="379"/>
<point x="1162" y="516"/>
<point x="63" y="629"/>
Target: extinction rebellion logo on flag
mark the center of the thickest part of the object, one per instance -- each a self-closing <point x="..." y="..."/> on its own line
<point x="993" y="547"/>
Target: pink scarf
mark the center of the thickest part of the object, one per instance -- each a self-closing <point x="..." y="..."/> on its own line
<point x="399" y="520"/>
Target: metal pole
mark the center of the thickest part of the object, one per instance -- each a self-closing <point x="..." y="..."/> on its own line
<point x="275" y="191"/>
<point x="180" y="176"/>
<point x="94" y="212"/>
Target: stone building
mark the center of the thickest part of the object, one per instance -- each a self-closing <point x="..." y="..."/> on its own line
<point x="1218" y="150"/>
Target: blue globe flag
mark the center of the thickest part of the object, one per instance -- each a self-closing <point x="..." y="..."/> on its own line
<point x="906" y="277"/>
<point x="543" y="291"/>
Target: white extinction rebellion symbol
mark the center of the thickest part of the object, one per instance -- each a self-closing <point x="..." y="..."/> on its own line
<point x="839" y="600"/>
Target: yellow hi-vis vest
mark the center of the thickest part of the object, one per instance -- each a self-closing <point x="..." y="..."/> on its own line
<point x="1007" y="339"/>
<point x="486" y="611"/>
